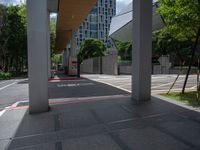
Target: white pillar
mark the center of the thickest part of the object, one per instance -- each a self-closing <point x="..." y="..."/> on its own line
<point x="142" y="50"/>
<point x="49" y="45"/>
<point x="37" y="55"/>
<point x="73" y="46"/>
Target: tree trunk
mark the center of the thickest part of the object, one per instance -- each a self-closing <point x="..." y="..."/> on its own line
<point x="22" y="65"/>
<point x="101" y="66"/>
<point x="6" y="64"/>
<point x="191" y="60"/>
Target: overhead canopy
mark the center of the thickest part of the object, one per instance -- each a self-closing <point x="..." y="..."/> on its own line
<point x="121" y="24"/>
<point x="71" y="14"/>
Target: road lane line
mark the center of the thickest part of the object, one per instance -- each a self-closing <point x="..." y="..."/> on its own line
<point x="194" y="87"/>
<point x="161" y="85"/>
<point x="115" y="86"/>
<point x="7" y="85"/>
<point x="3" y="111"/>
<point x="125" y="84"/>
<point x="155" y="92"/>
<point x="4" y="82"/>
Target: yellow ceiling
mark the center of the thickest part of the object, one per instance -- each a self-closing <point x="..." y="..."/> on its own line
<point x="71" y="14"/>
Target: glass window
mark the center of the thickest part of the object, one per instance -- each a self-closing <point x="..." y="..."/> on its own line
<point x="93" y="34"/>
<point x="93" y="27"/>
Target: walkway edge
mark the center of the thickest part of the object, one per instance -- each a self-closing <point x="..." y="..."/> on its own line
<point x="172" y="101"/>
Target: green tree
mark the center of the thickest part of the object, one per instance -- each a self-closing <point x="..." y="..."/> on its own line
<point x="16" y="27"/>
<point x="52" y="36"/>
<point x="91" y="48"/>
<point x="165" y="44"/>
<point x="13" y="41"/>
<point x="124" y="50"/>
<point x="57" y="58"/>
<point x="3" y="36"/>
<point x="182" y="19"/>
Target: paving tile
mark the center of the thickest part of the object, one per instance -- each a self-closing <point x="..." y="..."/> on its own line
<point x="112" y="114"/>
<point x="186" y="130"/>
<point x="36" y="124"/>
<point x="111" y="124"/>
<point x="46" y="146"/>
<point x="76" y="118"/>
<point x="149" y="139"/>
<point x="97" y="142"/>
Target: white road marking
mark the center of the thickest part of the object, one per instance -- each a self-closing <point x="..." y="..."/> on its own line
<point x="161" y="85"/>
<point x="13" y="105"/>
<point x="115" y="86"/>
<point x="74" y="84"/>
<point x="7" y="85"/>
<point x="2" y="112"/>
<point x="4" y="82"/>
<point x="194" y="87"/>
<point x="125" y="84"/>
<point x="153" y="92"/>
<point x="53" y="81"/>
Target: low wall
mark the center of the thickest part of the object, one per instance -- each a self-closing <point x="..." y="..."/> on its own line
<point x="93" y="65"/>
<point x="87" y="66"/>
<point x="109" y="65"/>
<point x="124" y="69"/>
<point x="157" y="69"/>
<point x="184" y="71"/>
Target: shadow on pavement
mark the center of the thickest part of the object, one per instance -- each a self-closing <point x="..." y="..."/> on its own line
<point x="112" y="124"/>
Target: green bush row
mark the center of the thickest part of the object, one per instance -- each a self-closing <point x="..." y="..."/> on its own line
<point x="5" y="75"/>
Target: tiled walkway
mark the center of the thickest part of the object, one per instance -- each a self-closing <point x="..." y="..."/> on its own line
<point x="106" y="124"/>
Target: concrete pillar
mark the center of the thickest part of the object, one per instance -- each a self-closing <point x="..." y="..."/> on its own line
<point x="73" y="46"/>
<point x="49" y="45"/>
<point x="142" y="50"/>
<point x="64" y="58"/>
<point x="37" y="55"/>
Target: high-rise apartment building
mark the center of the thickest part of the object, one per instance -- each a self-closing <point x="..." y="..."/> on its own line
<point x="97" y="24"/>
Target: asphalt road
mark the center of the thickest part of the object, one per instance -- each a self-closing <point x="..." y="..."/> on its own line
<point x="12" y="91"/>
<point x="15" y="90"/>
<point x="160" y="83"/>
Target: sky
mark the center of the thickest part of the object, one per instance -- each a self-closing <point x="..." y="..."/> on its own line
<point x="121" y="4"/>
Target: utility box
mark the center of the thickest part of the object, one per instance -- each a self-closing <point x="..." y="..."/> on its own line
<point x="73" y="63"/>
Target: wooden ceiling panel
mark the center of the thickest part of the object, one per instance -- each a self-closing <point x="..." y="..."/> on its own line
<point x="70" y="16"/>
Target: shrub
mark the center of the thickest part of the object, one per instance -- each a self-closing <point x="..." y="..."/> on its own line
<point x="5" y="75"/>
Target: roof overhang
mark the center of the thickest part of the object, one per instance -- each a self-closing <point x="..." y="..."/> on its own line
<point x="121" y="24"/>
<point x="71" y="14"/>
<point x="53" y="5"/>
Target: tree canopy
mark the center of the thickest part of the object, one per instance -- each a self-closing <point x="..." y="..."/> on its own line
<point x="124" y="50"/>
<point x="13" y="39"/>
<point x="182" y="17"/>
<point x="91" y="48"/>
<point x="182" y="23"/>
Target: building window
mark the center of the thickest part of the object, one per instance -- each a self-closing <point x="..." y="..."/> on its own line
<point x="93" y="27"/>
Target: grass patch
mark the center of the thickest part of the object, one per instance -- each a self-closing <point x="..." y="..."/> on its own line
<point x="189" y="98"/>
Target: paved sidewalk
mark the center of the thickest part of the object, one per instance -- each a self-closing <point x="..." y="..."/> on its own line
<point x="103" y="124"/>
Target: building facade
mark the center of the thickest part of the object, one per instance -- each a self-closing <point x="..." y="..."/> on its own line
<point x="97" y="24"/>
